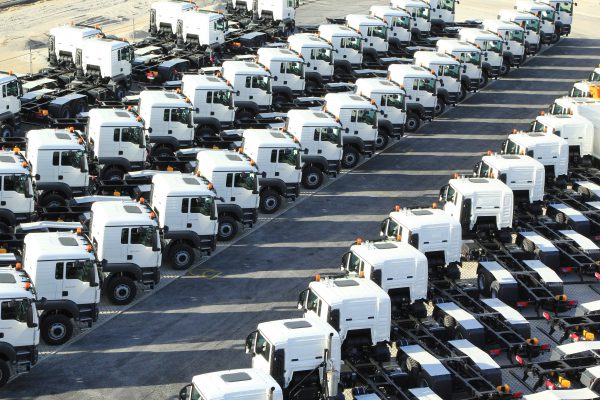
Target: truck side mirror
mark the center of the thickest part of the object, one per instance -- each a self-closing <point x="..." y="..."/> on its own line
<point x="302" y="299"/>
<point x="476" y="168"/>
<point x="186" y="392"/>
<point x="264" y="174"/>
<point x="237" y="93"/>
<point x="37" y="177"/>
<point x="83" y="164"/>
<point x="275" y="78"/>
<point x="250" y="341"/>
<point x="30" y="323"/>
<point x="197" y="110"/>
<point x="306" y="150"/>
<point x="503" y="147"/>
<point x="443" y="193"/>
<point x="383" y="227"/>
<point x="155" y="241"/>
<point x="93" y="281"/>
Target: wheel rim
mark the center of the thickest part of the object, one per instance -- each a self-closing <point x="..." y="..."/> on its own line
<point x="312" y="179"/>
<point x="225" y="230"/>
<point x="182" y="258"/>
<point x="503" y="69"/>
<point x="6" y="132"/>
<point x="381" y="141"/>
<point x="411" y="123"/>
<point x="57" y="331"/>
<point x="349" y="159"/>
<point x="270" y="203"/>
<point x="122" y="292"/>
<point x="54" y="203"/>
<point x="438" y="109"/>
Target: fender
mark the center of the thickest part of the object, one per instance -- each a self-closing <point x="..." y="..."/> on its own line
<point x="166" y="68"/>
<point x="190" y="236"/>
<point x="55" y="187"/>
<point x="232" y="209"/>
<point x="284" y="91"/>
<point x="354" y="141"/>
<point x="386" y="126"/>
<point x="58" y="305"/>
<point x="248" y="105"/>
<point x="129" y="268"/>
<point x="7" y="350"/>
<point x="171" y="141"/>
<point x="118" y="161"/>
<point x="313" y="76"/>
<point x="8" y="216"/>
<point x="275" y="183"/>
<point x="214" y="123"/>
<point x="318" y="161"/>
<point x="485" y="66"/>
<point x="508" y="56"/>
<point x="345" y="64"/>
<point x="8" y="117"/>
<point x="442" y="94"/>
<point x="415" y="108"/>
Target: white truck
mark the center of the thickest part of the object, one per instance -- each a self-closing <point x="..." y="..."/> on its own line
<point x="390" y="99"/>
<point x="235" y="178"/>
<point x="192" y="29"/>
<point x="469" y="56"/>
<point x="213" y="102"/>
<point x="282" y="11"/>
<point x="358" y="117"/>
<point x="399" y="268"/>
<point x="318" y="58"/>
<point x="63" y="269"/>
<point x="420" y="12"/>
<point x="432" y="232"/>
<point x="589" y="89"/>
<point x="116" y="142"/>
<point x="481" y="205"/>
<point x="514" y="40"/>
<point x="303" y="355"/>
<point x="578" y="131"/>
<point x="421" y="92"/>
<point x="357" y="308"/>
<point x="547" y="16"/>
<point x="59" y="166"/>
<point x="530" y="23"/>
<point x="374" y="34"/>
<point x="164" y="16"/>
<point x="442" y="14"/>
<point x="287" y="73"/>
<point x="398" y="25"/>
<point x="248" y="383"/>
<point x="564" y="14"/>
<point x="320" y="136"/>
<point x="278" y="159"/>
<point x="18" y="323"/>
<point x="10" y="117"/>
<point x="347" y="44"/>
<point x="492" y="58"/>
<point x="447" y="69"/>
<point x="167" y="118"/>
<point x="126" y="237"/>
<point x="63" y="41"/>
<point x="17" y="202"/>
<point x="552" y="151"/>
<point x="251" y="87"/>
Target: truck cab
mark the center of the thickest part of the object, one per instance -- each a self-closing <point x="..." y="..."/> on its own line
<point x="213" y="102"/>
<point x="248" y="384"/>
<point x="164" y="16"/>
<point x="358" y="117"/>
<point x="357" y="308"/>
<point x="390" y="99"/>
<point x="126" y="237"/>
<point x="552" y="151"/>
<point x="374" y="33"/>
<point x="106" y="60"/>
<point x="347" y="44"/>
<point x="398" y="25"/>
<point x="421" y="92"/>
<point x="116" y="142"/>
<point x="302" y="355"/>
<point x="524" y="175"/>
<point x="479" y="204"/>
<point x="251" y="87"/>
<point x="63" y="269"/>
<point x="576" y="130"/>
<point x="10" y="104"/>
<point x="167" y="118"/>
<point x="589" y="89"/>
<point x="19" y="323"/>
<point x="399" y="268"/>
<point x="235" y="178"/>
<point x="278" y="159"/>
<point x="321" y="140"/>
<point x="429" y="230"/>
<point x="564" y="14"/>
<point x="447" y="69"/>
<point x="514" y="40"/>
<point x="287" y="71"/>
<point x="530" y="23"/>
<point x="443" y="13"/>
<point x="469" y="56"/>
<point x="17" y="195"/>
<point x="64" y="40"/>
<point x="595" y="75"/>
<point x="59" y="166"/>
<point x="283" y="11"/>
<point x="200" y="29"/>
<point x="546" y="15"/>
<point x="318" y="58"/>
<point x="420" y="12"/>
<point x="492" y="54"/>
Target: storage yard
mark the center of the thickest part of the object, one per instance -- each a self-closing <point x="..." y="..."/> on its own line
<point x="464" y="216"/>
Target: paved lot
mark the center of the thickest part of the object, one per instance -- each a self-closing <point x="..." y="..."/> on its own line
<point x="199" y="322"/>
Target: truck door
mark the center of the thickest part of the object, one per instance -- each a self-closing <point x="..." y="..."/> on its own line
<point x="139" y="246"/>
<point x="72" y="164"/>
<point x="198" y="217"/>
<point x="76" y="282"/>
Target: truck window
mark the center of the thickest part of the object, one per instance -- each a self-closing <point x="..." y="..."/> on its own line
<point x="222" y="97"/>
<point x="354" y="263"/>
<point x="288" y="156"/>
<point x="59" y="271"/>
<point x="263" y="347"/>
<point x="451" y="196"/>
<point x="16" y="183"/>
<point x="244" y="180"/>
<point x="393" y="228"/>
<point x="312" y="301"/>
<point x="208" y="97"/>
<point x="321" y="54"/>
<point x="377" y="31"/>
<point x="124" y="236"/>
<point x="201" y="205"/>
<point x="12" y="89"/>
<point x="80" y="271"/>
<point x="131" y="135"/>
<point x="70" y="158"/>
<point x="14" y="310"/>
<point x="166" y="115"/>
<point x="485" y="170"/>
<point x="142" y="235"/>
<point x="117" y="135"/>
<point x="229" y="181"/>
<point x="185" y="204"/>
<point x="273" y="156"/>
<point x="181" y="115"/>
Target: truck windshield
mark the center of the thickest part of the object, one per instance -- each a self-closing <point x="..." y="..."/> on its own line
<point x="556" y="109"/>
<point x="566" y="6"/>
<point x="516" y="36"/>
<point x="548" y="15"/>
<point x="395" y="100"/>
<point x="15" y="310"/>
<point x="577" y="93"/>
<point x="532" y="25"/>
<point x="353" y="263"/>
<point x="452" y="71"/>
<point x="222" y="97"/>
<point x="512" y="147"/>
<point x="295" y="68"/>
<point x="595" y="77"/>
<point x="427" y="84"/>
<point x="484" y="172"/>
<point x="263" y="347"/>
<point x="196" y="395"/>
<point x="401" y="22"/>
<point x="288" y="156"/>
<point x="220" y="25"/>
<point x="246" y="180"/>
<point x="494" y="46"/>
<point x="329" y="134"/>
<point x="472" y="57"/>
<point x="537" y="126"/>
<point x="447" y="5"/>
<point x="182" y="115"/>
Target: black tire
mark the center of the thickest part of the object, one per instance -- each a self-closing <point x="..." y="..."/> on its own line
<point x="350" y="157"/>
<point x="337" y="71"/>
<point x="528" y="246"/>
<point x="412" y="123"/>
<point x="4" y="372"/>
<point x="7" y="130"/>
<point x="418" y="310"/>
<point x="439" y="108"/>
<point x="181" y="256"/>
<point x="555" y="38"/>
<point x="463" y="93"/>
<point x="228" y="228"/>
<point x="453" y="271"/>
<point x="270" y="201"/>
<point x="65" y="112"/>
<point x="205" y="131"/>
<point x="484" y="80"/>
<point x="162" y="151"/>
<point x="78" y="107"/>
<point x="244" y="114"/>
<point x="310" y="86"/>
<point x="56" y="329"/>
<point x="560" y="218"/>
<point x="504" y="68"/>
<point x="52" y="200"/>
<point x="120" y="92"/>
<point x="113" y="174"/>
<point x="5" y="228"/>
<point x="121" y="290"/>
<point x="411" y="365"/>
<point x="382" y="140"/>
<point x="312" y="178"/>
<point x="279" y="100"/>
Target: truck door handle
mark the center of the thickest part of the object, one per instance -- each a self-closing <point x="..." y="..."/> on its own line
<point x="189" y="225"/>
<point x="319" y="151"/>
<point x="65" y="293"/>
<point x="120" y="152"/>
<point x="212" y="113"/>
<point x="345" y="56"/>
<point x="276" y="173"/>
<point x="60" y="177"/>
<point x="170" y="131"/>
<point x="285" y="82"/>
<point x="129" y="257"/>
<point x="233" y="199"/>
<point x="1" y="334"/>
<point x="315" y="68"/>
<point x="250" y="97"/>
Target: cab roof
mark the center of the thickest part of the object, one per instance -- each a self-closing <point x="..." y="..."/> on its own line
<point x="470" y="186"/>
<point x="281" y="331"/>
<point x="114" y="116"/>
<point x="7" y="78"/>
<point x="334" y="291"/>
<point x="377" y="85"/>
<point x="455" y="45"/>
<point x="75" y="30"/>
<point x="244" y="68"/>
<point x="355" y="20"/>
<point x="495" y="24"/>
<point x="505" y="161"/>
<point x="410" y="3"/>
<point x="418" y="217"/>
<point x="327" y="31"/>
<point x="530" y="138"/>
<point x="200" y="15"/>
<point x="271" y="138"/>
<point x="555" y="121"/>
<point x="408" y="71"/>
<point x="122" y="213"/>
<point x="172" y="5"/>
<point x="300" y="40"/>
<point x="477" y="34"/>
<point x="103" y="44"/>
<point x="201" y="81"/>
<point x="178" y="184"/>
<point x="376" y="253"/>
<point x="434" y="57"/>
<point x="388" y="11"/>
<point x="160" y="98"/>
<point x="313" y="118"/>
<point x="347" y="100"/>
<point x="223" y="160"/>
<point x="12" y="284"/>
<point x="268" y="54"/>
<point x="533" y="5"/>
<point x="52" y="139"/>
<point x="11" y="163"/>
<point x="235" y="383"/>
<point x="57" y="246"/>
<point x="516" y="15"/>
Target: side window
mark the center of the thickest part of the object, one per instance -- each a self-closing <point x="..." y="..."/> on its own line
<point x="58" y="273"/>
<point x="55" y="158"/>
<point x="416" y="84"/>
<point x="393" y="228"/>
<point x="12" y="88"/>
<point x="185" y="205"/>
<point x="67" y="158"/>
<point x="282" y="67"/>
<point x="239" y="181"/>
<point x="8" y="311"/>
<point x="116" y="135"/>
<point x="440" y="71"/>
<point x="229" y="182"/>
<point x="3" y="90"/>
<point x="9" y="183"/>
<point x="248" y="81"/>
<point x="451" y="194"/>
<point x="382" y="102"/>
<point x="314" y="53"/>
<point x="73" y="271"/>
<point x="124" y="236"/>
<point x="311" y="304"/>
<point x="319" y="305"/>
<point x="317" y="135"/>
<point x="273" y="156"/>
<point x="370" y="31"/>
<point x="166" y="115"/>
<point x="208" y="97"/>
<point x="354" y="263"/>
<point x="200" y="205"/>
<point x="137" y="236"/>
<point x="354" y="116"/>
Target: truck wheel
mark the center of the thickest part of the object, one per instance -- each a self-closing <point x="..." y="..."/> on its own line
<point x="113" y="174"/>
<point x="382" y="140"/>
<point x="448" y="321"/>
<point x="65" y="112"/>
<point x="205" y="131"/>
<point x="6" y="131"/>
<point x="182" y="256"/>
<point x="244" y="114"/>
<point x="462" y="94"/>
<point x="120" y="92"/>
<point x="555" y="38"/>
<point x="53" y="200"/>
<point x="439" y="108"/>
<point x="56" y="329"/>
<point x="418" y="309"/>
<point x="270" y="201"/>
<point x="4" y="372"/>
<point x="453" y="271"/>
<point x="484" y="80"/>
<point x="278" y="101"/>
<point x="162" y="151"/>
<point x="121" y="290"/>
<point x="350" y="157"/>
<point x="228" y="228"/>
<point x="505" y="68"/>
<point x="312" y="178"/>
<point x="78" y="107"/>
<point x="413" y="122"/>
<point x="495" y="290"/>
<point x="481" y="281"/>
